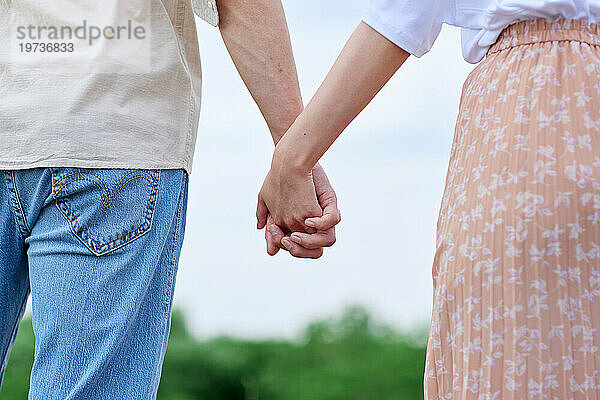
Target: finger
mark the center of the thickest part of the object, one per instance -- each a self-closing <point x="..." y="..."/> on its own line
<point x="276" y="232"/>
<point x="327" y="199"/>
<point x="300" y="252"/>
<point x="323" y="188"/>
<point x="272" y="247"/>
<point x="331" y="217"/>
<point x="261" y="213"/>
<point x="314" y="241"/>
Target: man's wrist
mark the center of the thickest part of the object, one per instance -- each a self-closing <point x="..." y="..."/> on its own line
<point x="277" y="134"/>
<point x="281" y="127"/>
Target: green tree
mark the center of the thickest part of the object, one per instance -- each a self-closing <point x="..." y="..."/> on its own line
<point x="348" y="358"/>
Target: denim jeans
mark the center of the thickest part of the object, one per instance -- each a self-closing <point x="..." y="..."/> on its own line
<point x="98" y="251"/>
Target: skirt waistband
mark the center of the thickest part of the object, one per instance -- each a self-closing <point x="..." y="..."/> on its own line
<point x="545" y="30"/>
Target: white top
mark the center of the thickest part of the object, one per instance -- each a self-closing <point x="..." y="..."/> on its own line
<point x="100" y="84"/>
<point x="414" y="25"/>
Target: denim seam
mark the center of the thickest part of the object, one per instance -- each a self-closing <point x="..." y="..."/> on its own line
<point x="13" y="336"/>
<point x="154" y="387"/>
<point x="16" y="206"/>
<point x="176" y="241"/>
<point x="93" y="245"/>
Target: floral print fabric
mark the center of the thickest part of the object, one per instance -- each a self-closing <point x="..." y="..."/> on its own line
<point x="516" y="272"/>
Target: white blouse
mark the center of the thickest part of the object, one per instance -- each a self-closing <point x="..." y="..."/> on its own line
<point x="414" y="25"/>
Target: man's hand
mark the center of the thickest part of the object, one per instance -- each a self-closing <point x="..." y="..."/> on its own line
<point x="300" y="244"/>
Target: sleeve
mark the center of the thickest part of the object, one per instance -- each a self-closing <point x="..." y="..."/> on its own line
<point x="207" y="10"/>
<point x="413" y="25"/>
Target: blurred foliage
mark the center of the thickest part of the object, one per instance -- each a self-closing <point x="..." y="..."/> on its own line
<point x="349" y="358"/>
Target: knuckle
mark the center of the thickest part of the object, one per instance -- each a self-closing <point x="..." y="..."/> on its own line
<point x="338" y="217"/>
<point x="330" y="241"/>
<point x="317" y="254"/>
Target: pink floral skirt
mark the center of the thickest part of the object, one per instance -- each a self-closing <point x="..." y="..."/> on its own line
<point x="516" y="273"/>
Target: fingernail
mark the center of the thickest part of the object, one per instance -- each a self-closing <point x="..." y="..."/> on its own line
<point x="286" y="243"/>
<point x="296" y="237"/>
<point x="311" y="223"/>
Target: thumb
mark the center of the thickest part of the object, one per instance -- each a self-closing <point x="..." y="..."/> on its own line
<point x="261" y="213"/>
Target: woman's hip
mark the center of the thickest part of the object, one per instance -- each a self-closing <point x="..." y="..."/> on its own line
<point x="526" y="148"/>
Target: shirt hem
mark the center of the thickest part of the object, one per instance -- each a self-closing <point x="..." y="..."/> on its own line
<point x="80" y="163"/>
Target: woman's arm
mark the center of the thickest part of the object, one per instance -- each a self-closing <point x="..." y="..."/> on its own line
<point x="365" y="64"/>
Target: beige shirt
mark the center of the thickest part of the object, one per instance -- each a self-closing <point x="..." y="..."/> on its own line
<point x="100" y="84"/>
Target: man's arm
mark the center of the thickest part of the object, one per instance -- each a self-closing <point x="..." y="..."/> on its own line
<point x="256" y="35"/>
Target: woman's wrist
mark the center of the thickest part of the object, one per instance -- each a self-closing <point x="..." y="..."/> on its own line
<point x="292" y="156"/>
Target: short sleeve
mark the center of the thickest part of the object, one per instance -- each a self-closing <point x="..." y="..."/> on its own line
<point x="207" y="10"/>
<point x="413" y="25"/>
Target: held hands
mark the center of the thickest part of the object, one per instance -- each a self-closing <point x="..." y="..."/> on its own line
<point x="299" y="211"/>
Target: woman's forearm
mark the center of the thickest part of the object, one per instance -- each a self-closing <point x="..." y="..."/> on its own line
<point x="365" y="64"/>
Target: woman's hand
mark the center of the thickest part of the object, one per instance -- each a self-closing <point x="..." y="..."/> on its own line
<point x="308" y="245"/>
<point x="288" y="194"/>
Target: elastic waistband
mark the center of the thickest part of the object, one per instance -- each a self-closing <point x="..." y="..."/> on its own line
<point x="545" y="30"/>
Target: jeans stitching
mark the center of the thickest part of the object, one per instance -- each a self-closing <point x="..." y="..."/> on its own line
<point x="83" y="171"/>
<point x="81" y="233"/>
<point x="151" y="172"/>
<point x="106" y="203"/>
<point x="75" y="173"/>
<point x="16" y="206"/>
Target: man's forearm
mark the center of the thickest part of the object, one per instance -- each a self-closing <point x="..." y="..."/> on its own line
<point x="256" y="35"/>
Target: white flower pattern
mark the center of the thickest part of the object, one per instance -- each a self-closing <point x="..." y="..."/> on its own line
<point x="516" y="272"/>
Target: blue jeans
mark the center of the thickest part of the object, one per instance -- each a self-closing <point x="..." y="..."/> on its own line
<point x="98" y="250"/>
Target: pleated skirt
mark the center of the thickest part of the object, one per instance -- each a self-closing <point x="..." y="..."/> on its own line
<point x="516" y="271"/>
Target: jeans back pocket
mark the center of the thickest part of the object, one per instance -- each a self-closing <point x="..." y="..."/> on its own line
<point x="106" y="208"/>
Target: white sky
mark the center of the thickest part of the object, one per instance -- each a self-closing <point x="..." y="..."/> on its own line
<point x="388" y="169"/>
